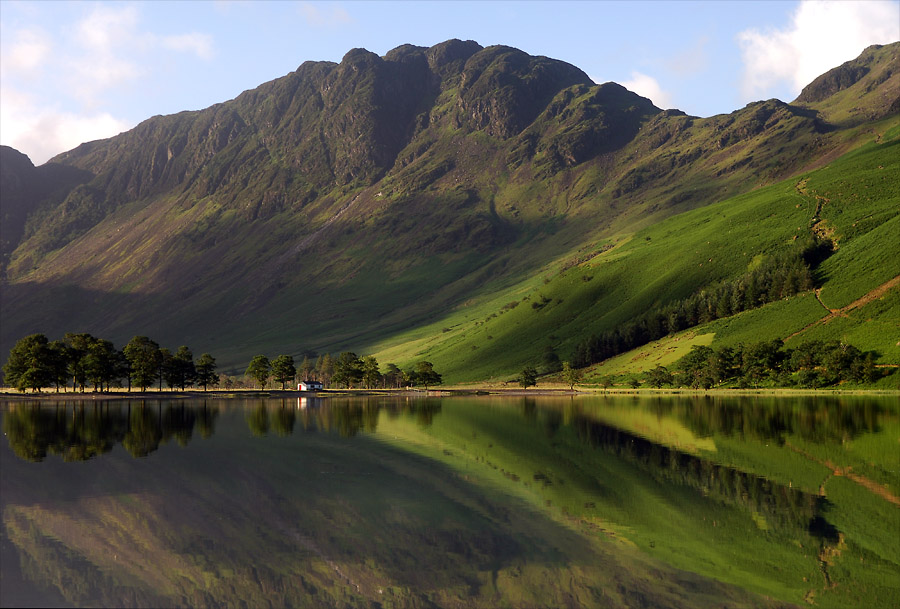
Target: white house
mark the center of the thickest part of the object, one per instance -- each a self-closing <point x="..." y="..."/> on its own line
<point x="309" y="386"/>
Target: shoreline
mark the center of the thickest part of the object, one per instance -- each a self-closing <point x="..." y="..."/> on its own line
<point x="453" y="391"/>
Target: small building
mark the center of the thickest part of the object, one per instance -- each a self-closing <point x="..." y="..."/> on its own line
<point x="309" y="386"/>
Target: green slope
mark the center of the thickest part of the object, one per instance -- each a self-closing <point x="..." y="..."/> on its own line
<point x="676" y="257"/>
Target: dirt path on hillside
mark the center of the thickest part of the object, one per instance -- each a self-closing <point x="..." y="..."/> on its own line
<point x="844" y="311"/>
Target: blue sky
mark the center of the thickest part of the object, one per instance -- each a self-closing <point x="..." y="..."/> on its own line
<point x="77" y="71"/>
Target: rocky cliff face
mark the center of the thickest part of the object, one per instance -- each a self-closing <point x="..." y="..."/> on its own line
<point x="363" y="177"/>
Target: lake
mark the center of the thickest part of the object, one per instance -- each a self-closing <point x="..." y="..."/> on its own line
<point x="452" y="502"/>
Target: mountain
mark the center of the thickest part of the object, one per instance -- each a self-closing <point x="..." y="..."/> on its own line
<point x="392" y="204"/>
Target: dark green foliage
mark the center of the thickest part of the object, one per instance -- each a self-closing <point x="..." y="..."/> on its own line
<point x="283" y="370"/>
<point x="528" y="377"/>
<point x="78" y="347"/>
<point x="659" y="376"/>
<point x="424" y="374"/>
<point x="347" y="369"/>
<point x="181" y="370"/>
<point x="28" y="366"/>
<point x="144" y="359"/>
<point x="570" y="375"/>
<point x="206" y="371"/>
<point x="324" y="369"/>
<point x="371" y="375"/>
<point x="811" y="365"/>
<point x="305" y="369"/>
<point x="59" y="357"/>
<point x="393" y="377"/>
<point x="777" y="277"/>
<point x="101" y="364"/>
<point x="259" y="370"/>
<point x="165" y="371"/>
<point x="550" y="360"/>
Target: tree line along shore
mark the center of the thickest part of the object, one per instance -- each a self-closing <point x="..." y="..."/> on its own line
<point x="80" y="360"/>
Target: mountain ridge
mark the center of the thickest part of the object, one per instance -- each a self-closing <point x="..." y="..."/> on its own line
<point x="403" y="178"/>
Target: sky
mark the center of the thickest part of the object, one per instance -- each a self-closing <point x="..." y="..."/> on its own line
<point x="72" y="72"/>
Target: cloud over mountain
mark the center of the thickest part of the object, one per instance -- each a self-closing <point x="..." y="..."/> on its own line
<point x="820" y="36"/>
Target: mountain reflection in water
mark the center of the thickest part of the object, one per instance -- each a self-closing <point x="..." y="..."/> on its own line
<point x="410" y="502"/>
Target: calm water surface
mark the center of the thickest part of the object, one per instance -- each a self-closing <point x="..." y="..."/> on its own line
<point x="455" y="502"/>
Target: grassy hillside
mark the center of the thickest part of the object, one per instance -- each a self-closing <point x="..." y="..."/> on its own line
<point x="855" y="201"/>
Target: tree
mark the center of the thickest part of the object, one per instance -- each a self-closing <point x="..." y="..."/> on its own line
<point x="371" y="375"/>
<point x="183" y="370"/>
<point x="206" y="370"/>
<point x="426" y="375"/>
<point x="59" y="363"/>
<point x="325" y="369"/>
<point x="101" y="364"/>
<point x="79" y="345"/>
<point x="347" y="369"/>
<point x="165" y="366"/>
<point x="29" y="364"/>
<point x="305" y="369"/>
<point x="283" y="370"/>
<point x="393" y="376"/>
<point x="658" y="376"/>
<point x="144" y="360"/>
<point x="528" y="378"/>
<point x="550" y="360"/>
<point x="571" y="376"/>
<point x="761" y="360"/>
<point x="698" y="367"/>
<point x="259" y="370"/>
<point x="171" y="372"/>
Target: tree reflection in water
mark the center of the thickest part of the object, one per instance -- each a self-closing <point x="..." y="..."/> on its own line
<point x="77" y="431"/>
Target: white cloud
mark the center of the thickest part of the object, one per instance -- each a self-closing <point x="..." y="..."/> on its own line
<point x="822" y="35"/>
<point x="108" y="27"/>
<point x="80" y="67"/>
<point x="43" y="132"/>
<point x="28" y="51"/>
<point x="318" y="17"/>
<point x="199" y="44"/>
<point x="649" y="87"/>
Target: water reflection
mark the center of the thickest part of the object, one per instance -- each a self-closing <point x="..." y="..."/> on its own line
<point x="419" y="502"/>
<point x="76" y="431"/>
<point x="778" y="504"/>
<point x="814" y="418"/>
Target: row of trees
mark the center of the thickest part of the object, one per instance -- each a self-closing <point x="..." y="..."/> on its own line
<point x="36" y="362"/>
<point x="812" y="364"/>
<point x="568" y="374"/>
<point x="346" y="370"/>
<point x="777" y="277"/>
